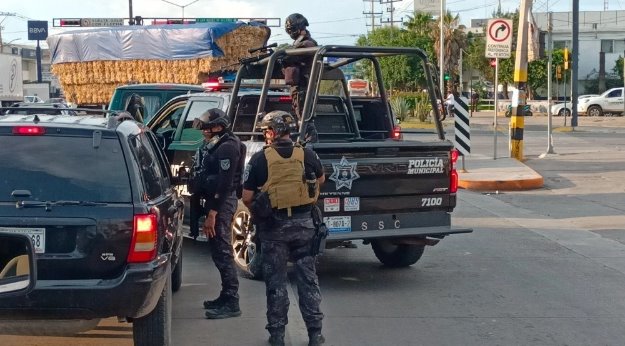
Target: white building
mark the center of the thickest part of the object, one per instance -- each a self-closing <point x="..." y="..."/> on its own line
<point x="599" y="31"/>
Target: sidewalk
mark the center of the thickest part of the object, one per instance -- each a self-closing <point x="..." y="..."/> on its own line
<point x="503" y="174"/>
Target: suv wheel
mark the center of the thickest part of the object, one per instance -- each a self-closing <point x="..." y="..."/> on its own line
<point x="396" y="255"/>
<point x="247" y="252"/>
<point x="155" y="327"/>
<point x="595" y="111"/>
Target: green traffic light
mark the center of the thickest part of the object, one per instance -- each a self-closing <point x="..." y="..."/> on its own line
<point x="447" y="77"/>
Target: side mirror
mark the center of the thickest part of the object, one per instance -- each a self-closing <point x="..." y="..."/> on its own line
<point x="18" y="272"/>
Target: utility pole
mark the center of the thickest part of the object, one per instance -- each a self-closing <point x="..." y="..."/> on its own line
<point x="549" y="82"/>
<point x="372" y="14"/>
<point x="390" y="9"/>
<point x="131" y="21"/>
<point x="517" y="122"/>
<point x="575" y="66"/>
<point x="5" y="15"/>
<point x="441" y="53"/>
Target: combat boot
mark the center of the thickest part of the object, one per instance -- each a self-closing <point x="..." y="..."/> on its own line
<point x="216" y="303"/>
<point x="315" y="338"/>
<point x="230" y="308"/>
<point x="276" y="340"/>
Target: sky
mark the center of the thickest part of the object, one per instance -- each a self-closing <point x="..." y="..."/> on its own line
<point x="331" y="21"/>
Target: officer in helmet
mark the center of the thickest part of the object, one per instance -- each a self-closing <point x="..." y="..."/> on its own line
<point x="284" y="171"/>
<point x="297" y="69"/>
<point x="216" y="178"/>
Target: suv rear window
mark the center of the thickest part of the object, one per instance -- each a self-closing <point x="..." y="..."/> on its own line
<point x="56" y="168"/>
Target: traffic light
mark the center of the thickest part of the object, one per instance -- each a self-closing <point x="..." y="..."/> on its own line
<point x="566" y="58"/>
<point x="493" y="62"/>
<point x="558" y="72"/>
<point x="447" y="76"/>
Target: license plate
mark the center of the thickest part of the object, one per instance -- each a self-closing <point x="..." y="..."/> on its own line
<point x="36" y="235"/>
<point x="338" y="224"/>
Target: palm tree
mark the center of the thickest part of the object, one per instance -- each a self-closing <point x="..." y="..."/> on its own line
<point x="421" y="23"/>
<point x="455" y="40"/>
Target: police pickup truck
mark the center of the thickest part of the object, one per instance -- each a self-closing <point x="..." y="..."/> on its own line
<point x="392" y="189"/>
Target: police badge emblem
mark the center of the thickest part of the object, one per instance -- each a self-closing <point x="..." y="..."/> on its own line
<point x="344" y="174"/>
<point x="225" y="164"/>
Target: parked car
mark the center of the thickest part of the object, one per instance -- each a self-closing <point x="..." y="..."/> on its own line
<point x="610" y="101"/>
<point x="153" y="96"/>
<point x="26" y="108"/>
<point x="559" y="109"/>
<point x="33" y="99"/>
<point x="96" y="197"/>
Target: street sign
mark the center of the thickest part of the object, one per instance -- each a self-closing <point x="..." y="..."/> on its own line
<point x="37" y="30"/>
<point x="216" y="20"/>
<point x="100" y="22"/>
<point x="499" y="38"/>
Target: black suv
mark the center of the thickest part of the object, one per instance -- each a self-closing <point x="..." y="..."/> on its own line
<point x="95" y="195"/>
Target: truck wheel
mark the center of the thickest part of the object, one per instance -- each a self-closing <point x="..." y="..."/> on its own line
<point x="247" y="252"/>
<point x="595" y="111"/>
<point x="564" y="112"/>
<point x="155" y="327"/>
<point x="176" y="274"/>
<point x="396" y="255"/>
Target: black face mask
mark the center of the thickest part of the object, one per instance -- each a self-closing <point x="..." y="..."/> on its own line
<point x="294" y="34"/>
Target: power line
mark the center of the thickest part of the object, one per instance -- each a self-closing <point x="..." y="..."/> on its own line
<point x="372" y="15"/>
<point x="391" y="10"/>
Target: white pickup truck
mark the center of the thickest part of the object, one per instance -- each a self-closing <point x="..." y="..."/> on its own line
<point x="610" y="101"/>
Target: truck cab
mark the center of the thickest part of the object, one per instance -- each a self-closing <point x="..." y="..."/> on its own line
<point x="392" y="189"/>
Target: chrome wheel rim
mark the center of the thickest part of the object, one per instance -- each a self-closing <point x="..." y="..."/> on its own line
<point x="243" y="235"/>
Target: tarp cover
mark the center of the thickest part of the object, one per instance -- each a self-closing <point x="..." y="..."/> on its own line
<point x="160" y="42"/>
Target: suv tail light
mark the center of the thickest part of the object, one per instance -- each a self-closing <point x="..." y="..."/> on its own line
<point x="144" y="237"/>
<point x="29" y="130"/>
<point x="453" y="176"/>
<point x="396" y="134"/>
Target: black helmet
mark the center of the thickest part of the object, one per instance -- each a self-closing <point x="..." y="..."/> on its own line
<point x="281" y="122"/>
<point x="294" y="24"/>
<point x="210" y="118"/>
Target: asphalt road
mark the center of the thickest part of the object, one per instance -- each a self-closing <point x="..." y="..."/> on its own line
<point x="543" y="267"/>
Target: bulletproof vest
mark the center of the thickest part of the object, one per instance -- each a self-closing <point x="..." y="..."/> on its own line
<point x="286" y="184"/>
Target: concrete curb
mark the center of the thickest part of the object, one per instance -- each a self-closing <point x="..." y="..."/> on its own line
<point x="502" y="185"/>
<point x="504" y="174"/>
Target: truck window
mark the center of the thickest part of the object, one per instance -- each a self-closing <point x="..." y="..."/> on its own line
<point x="197" y="108"/>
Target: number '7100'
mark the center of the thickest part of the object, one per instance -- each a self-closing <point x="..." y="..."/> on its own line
<point x="431" y="201"/>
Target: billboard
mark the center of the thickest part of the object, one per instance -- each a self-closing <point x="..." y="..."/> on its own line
<point x="432" y="7"/>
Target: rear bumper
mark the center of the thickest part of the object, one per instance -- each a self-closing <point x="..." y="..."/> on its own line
<point x="133" y="294"/>
<point x="436" y="232"/>
<point x="417" y="224"/>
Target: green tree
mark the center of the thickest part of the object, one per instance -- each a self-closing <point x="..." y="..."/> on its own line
<point x="399" y="72"/>
<point x="455" y="40"/>
<point x="618" y="67"/>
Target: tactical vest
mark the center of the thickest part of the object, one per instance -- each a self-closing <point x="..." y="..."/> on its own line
<point x="286" y="184"/>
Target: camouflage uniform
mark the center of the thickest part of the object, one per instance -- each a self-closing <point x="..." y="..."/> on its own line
<point x="221" y="249"/>
<point x="290" y="239"/>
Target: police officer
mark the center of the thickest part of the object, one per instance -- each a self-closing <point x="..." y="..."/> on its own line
<point x="297" y="69"/>
<point x="280" y="170"/>
<point x="221" y="161"/>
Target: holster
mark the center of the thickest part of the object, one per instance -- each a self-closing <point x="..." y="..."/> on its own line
<point x="318" y="244"/>
<point x="261" y="206"/>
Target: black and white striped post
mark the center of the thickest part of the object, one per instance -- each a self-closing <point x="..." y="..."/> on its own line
<point x="462" y="126"/>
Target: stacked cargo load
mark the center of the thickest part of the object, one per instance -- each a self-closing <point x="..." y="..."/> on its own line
<point x="91" y="63"/>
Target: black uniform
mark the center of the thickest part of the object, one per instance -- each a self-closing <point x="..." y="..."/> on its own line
<point x="288" y="238"/>
<point x="297" y="74"/>
<point x="221" y="165"/>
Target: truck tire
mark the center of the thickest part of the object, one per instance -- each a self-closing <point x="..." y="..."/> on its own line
<point x="176" y="274"/>
<point x="595" y="111"/>
<point x="247" y="252"/>
<point x="154" y="329"/>
<point x="396" y="255"/>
